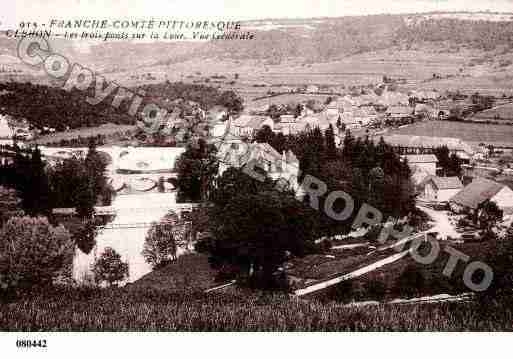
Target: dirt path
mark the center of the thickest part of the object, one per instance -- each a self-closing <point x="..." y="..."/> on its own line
<point x="369" y="268"/>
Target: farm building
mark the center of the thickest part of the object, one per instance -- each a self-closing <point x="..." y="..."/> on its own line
<point x="440" y="189"/>
<point x="479" y="191"/>
<point x="399" y="112"/>
<point x="426" y="110"/>
<point x="425" y="162"/>
<point x="408" y="144"/>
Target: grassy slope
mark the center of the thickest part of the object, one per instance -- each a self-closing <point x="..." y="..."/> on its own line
<point x="188" y="273"/>
<point x="172" y="298"/>
<point x="123" y="310"/>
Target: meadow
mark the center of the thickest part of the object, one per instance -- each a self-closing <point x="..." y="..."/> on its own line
<point x="473" y="133"/>
<point x="125" y="310"/>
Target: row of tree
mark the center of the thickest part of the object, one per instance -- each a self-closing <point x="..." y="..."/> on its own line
<point x="75" y="182"/>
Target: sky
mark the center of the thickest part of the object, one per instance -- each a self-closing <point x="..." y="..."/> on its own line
<point x="40" y="10"/>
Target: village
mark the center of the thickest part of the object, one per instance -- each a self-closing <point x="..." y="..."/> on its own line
<point x="454" y="180"/>
<point x="330" y="174"/>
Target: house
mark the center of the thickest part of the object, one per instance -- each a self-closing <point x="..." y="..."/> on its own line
<point x="312" y="89"/>
<point x="399" y="112"/>
<point x="284" y="167"/>
<point x="418" y="175"/>
<point x="315" y="121"/>
<point x="333" y="109"/>
<point x="479" y="191"/>
<point x="291" y="128"/>
<point x="219" y="128"/>
<point x="426" y="110"/>
<point x="440" y="189"/>
<point x="247" y="125"/>
<point x="424" y="162"/>
<point x="364" y="115"/>
<point x="393" y="98"/>
<point x="287" y="119"/>
<point x="217" y="113"/>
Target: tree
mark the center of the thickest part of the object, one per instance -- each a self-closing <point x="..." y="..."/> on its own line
<point x="264" y="135"/>
<point x="331" y="147"/>
<point x="411" y="282"/>
<point x="71" y="186"/>
<point x="95" y="166"/>
<point x="339" y="123"/>
<point x="83" y="233"/>
<point x="110" y="268"/>
<point x="231" y="101"/>
<point x="31" y="181"/>
<point x="9" y="205"/>
<point x="196" y="169"/>
<point x="489" y="215"/>
<point x="450" y="163"/>
<point x="160" y="245"/>
<point x="500" y="258"/>
<point x="254" y="227"/>
<point x="33" y="253"/>
<point x="160" y="185"/>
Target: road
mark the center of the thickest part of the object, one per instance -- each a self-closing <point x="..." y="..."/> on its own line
<point x="369" y="268"/>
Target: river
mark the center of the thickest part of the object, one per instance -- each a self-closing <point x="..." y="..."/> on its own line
<point x="128" y="242"/>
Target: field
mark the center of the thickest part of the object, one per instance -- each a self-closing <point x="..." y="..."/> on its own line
<point x="472" y="133"/>
<point x="125" y="310"/>
<point x="504" y="112"/>
<point x="105" y="130"/>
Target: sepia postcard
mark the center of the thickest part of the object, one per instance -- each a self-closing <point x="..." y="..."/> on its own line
<point x="255" y="166"/>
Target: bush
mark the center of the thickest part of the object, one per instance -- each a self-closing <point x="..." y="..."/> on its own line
<point x="160" y="245"/>
<point x="376" y="289"/>
<point x="373" y="233"/>
<point x="411" y="282"/>
<point x="110" y="268"/>
<point x="33" y="253"/>
<point x="344" y="292"/>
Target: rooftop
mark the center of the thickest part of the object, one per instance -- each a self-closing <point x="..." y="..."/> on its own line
<point x="453" y="144"/>
<point x="421" y="158"/>
<point x="477" y="192"/>
<point x="445" y="182"/>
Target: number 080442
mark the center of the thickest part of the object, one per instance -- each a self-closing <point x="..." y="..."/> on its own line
<point x="27" y="343"/>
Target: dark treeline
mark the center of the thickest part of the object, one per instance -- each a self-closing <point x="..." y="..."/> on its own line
<point x="371" y="173"/>
<point x="45" y="106"/>
<point x="206" y="96"/>
<point x="449" y="162"/>
<point x="486" y="35"/>
<point x="78" y="183"/>
<point x="54" y="107"/>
